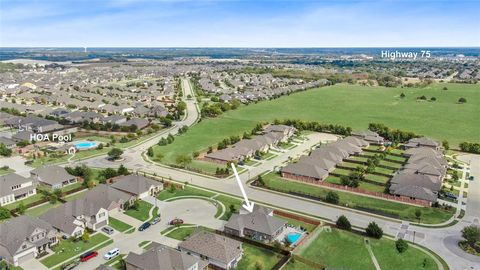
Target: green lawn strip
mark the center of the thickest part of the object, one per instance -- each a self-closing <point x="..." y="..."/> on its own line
<point x="402" y="211"/>
<point x="376" y="178"/>
<point x="390" y="164"/>
<point x="331" y="248"/>
<point x="144" y="243"/>
<point x="390" y="259"/>
<point x="342" y="171"/>
<point x="257" y="258"/>
<point x="29" y="200"/>
<point x="297" y="265"/>
<point x="383" y="170"/>
<point x="352" y="165"/>
<point x="6" y="171"/>
<point x="396" y="151"/>
<point x="362" y="185"/>
<point x="75" y="196"/>
<point x="71" y="187"/>
<point x="182" y="232"/>
<point x="297" y="223"/>
<point x="39" y="210"/>
<point x="227" y="201"/>
<point x="5" y="265"/>
<point x="66" y="249"/>
<point x="204" y="166"/>
<point x="118" y="224"/>
<point x="397" y="158"/>
<point x="358" y="158"/>
<point x="187" y="191"/>
<point x="142" y="213"/>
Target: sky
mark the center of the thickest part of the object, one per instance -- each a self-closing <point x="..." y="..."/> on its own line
<point x="242" y="23"/>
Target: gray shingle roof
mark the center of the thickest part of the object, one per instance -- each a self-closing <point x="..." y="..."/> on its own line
<point x="134" y="184"/>
<point x="217" y="247"/>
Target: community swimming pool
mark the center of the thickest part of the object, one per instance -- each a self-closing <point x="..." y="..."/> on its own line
<point x="85" y="145"/>
<point x="292" y="238"/>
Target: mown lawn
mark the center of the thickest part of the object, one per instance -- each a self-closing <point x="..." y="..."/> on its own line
<point x="403" y="211"/>
<point x="40" y="210"/>
<point x="351" y="105"/>
<point x="331" y="249"/>
<point x="187" y="191"/>
<point x="257" y="258"/>
<point x="142" y="212"/>
<point x="297" y="265"/>
<point x="390" y="259"/>
<point x="68" y="249"/>
<point x="118" y="224"/>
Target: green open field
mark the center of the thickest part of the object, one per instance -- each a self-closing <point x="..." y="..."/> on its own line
<point x="329" y="248"/>
<point x="350" y="105"/>
<point x="399" y="210"/>
<point x="257" y="258"/>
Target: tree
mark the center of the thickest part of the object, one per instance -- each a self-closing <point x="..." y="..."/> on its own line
<point x="4" y="151"/>
<point x="85" y="236"/>
<point x="21" y="208"/>
<point x="136" y="205"/>
<point x="343" y="223"/>
<point x="418" y="214"/>
<point x="446" y="145"/>
<point x="4" y="213"/>
<point x="115" y="153"/>
<point x="402" y="95"/>
<point x="150" y="152"/>
<point x="122" y="170"/>
<point x="172" y="188"/>
<point x="373" y="230"/>
<point x="183" y="160"/>
<point x="471" y="234"/>
<point x="462" y="100"/>
<point x="332" y="197"/>
<point x="261" y="181"/>
<point x="231" y="208"/>
<point x="401" y="245"/>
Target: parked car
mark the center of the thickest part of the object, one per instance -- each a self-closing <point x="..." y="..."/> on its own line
<point x="88" y="255"/>
<point x="155" y="220"/>
<point x="176" y="221"/>
<point x="451" y="196"/>
<point x="108" y="230"/>
<point x="111" y="254"/>
<point x="471" y="178"/>
<point x="144" y="226"/>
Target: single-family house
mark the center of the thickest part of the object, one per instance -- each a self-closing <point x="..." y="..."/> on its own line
<point x="138" y="186"/>
<point x="220" y="251"/>
<point x="14" y="187"/>
<point x="53" y="176"/>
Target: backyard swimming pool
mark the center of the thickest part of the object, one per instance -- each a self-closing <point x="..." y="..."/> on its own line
<point x="85" y="145"/>
<point x="292" y="238"/>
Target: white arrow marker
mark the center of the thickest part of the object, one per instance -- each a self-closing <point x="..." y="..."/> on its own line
<point x="247" y="205"/>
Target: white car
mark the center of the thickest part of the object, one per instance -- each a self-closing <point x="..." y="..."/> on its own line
<point x="111" y="254"/>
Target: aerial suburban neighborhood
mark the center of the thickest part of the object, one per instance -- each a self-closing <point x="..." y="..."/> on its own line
<point x="239" y="135"/>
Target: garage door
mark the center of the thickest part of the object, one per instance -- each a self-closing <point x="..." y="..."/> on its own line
<point x="26" y="257"/>
<point x="100" y="225"/>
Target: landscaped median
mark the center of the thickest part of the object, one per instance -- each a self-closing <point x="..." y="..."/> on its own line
<point x="387" y="208"/>
<point x="68" y="250"/>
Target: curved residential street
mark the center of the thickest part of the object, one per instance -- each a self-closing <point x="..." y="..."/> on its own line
<point x="443" y="241"/>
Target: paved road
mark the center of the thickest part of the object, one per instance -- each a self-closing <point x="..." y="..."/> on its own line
<point x="472" y="212"/>
<point x="195" y="211"/>
<point x="436" y="239"/>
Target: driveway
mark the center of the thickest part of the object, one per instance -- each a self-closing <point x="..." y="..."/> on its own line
<point x="193" y="211"/>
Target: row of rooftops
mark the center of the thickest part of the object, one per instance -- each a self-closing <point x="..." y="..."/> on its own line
<point x="421" y="177"/>
<point x="247" y="147"/>
<point x="323" y="160"/>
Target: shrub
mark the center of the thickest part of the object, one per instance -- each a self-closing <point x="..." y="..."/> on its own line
<point x="343" y="223"/>
<point x="462" y="100"/>
<point x="332" y="197"/>
<point x="373" y="230"/>
<point x="401" y="245"/>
